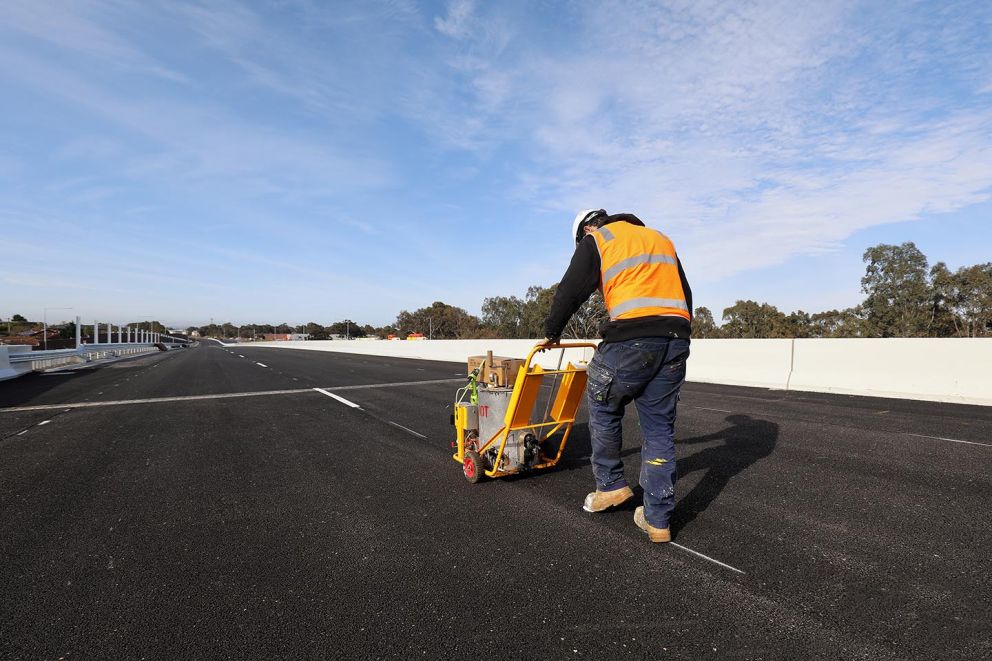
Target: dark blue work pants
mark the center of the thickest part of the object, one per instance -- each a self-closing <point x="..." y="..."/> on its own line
<point x="650" y="372"/>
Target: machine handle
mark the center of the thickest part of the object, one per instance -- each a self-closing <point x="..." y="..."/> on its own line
<point x="558" y="345"/>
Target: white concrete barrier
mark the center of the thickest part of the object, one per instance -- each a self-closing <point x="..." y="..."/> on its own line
<point x="447" y="350"/>
<point x="6" y="371"/>
<point x="760" y="363"/>
<point x="944" y="369"/>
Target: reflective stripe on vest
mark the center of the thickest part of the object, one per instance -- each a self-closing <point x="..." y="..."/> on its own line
<point x="639" y="275"/>
<point x="635" y="303"/>
<point x="631" y="262"/>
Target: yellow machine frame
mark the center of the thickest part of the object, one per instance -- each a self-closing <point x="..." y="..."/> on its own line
<point x="525" y="391"/>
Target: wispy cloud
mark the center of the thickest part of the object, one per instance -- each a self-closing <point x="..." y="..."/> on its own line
<point x="62" y="25"/>
<point x="786" y="130"/>
<point x="312" y="142"/>
<point x="455" y="23"/>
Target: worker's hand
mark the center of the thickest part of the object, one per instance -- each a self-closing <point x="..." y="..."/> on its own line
<point x="549" y="342"/>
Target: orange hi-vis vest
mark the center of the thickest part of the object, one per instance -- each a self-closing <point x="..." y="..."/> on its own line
<point x="640" y="273"/>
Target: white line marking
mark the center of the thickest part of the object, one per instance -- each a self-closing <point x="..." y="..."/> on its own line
<point x="706" y="557"/>
<point x="150" y="400"/>
<point x="43" y="422"/>
<point x="261" y="364"/>
<point x="952" y="440"/>
<point x="396" y="424"/>
<point x="193" y="398"/>
<point x="338" y="397"/>
<point x="23" y="432"/>
<point x="240" y="356"/>
<point x="398" y="384"/>
<point x="703" y="408"/>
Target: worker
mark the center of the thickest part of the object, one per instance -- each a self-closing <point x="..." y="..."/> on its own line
<point x="642" y="356"/>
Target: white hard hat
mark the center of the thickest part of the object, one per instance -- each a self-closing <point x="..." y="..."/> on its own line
<point x="581" y="219"/>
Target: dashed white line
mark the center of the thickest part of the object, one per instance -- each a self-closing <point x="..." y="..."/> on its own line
<point x="240" y="356"/>
<point x="703" y="408"/>
<point x="406" y="429"/>
<point x="261" y="364"/>
<point x="43" y="422"/>
<point x="338" y="397"/>
<point x="951" y="440"/>
<point x="706" y="557"/>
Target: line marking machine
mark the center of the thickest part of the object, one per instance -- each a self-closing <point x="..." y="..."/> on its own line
<point x="498" y="431"/>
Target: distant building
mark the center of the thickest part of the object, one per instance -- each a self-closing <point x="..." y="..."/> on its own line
<point x="285" y="337"/>
<point x="53" y="333"/>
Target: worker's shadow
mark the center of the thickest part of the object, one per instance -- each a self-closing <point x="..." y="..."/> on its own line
<point x="745" y="441"/>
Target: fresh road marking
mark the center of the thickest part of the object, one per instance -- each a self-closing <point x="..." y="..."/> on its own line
<point x="43" y="422"/>
<point x="706" y="557"/>
<point x="151" y="400"/>
<point x="397" y="384"/>
<point x="703" y="408"/>
<point x="952" y="440"/>
<point x="193" y="398"/>
<point x="240" y="356"/>
<point x="338" y="397"/>
<point x="261" y="364"/>
<point x="406" y="429"/>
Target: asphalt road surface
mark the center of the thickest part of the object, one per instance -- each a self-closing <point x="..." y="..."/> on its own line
<point x="210" y="503"/>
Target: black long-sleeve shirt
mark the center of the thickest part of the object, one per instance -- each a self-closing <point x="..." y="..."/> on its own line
<point x="582" y="279"/>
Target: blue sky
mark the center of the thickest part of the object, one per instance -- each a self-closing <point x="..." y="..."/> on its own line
<point x="297" y="161"/>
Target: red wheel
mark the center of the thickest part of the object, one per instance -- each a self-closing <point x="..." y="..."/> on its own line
<point x="474" y="466"/>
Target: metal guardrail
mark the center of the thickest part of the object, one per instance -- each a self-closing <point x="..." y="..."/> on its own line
<point x="35" y="361"/>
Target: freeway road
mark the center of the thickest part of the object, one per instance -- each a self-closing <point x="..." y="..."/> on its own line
<point x="210" y="503"/>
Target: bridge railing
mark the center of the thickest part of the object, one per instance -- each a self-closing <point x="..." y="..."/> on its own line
<point x="16" y="361"/>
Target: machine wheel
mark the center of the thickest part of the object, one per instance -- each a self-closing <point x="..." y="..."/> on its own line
<point x="474" y="466"/>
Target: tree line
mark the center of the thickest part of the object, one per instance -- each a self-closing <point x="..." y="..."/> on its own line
<point x="904" y="297"/>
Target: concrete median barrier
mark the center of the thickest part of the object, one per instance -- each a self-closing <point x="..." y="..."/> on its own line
<point x="758" y="363"/>
<point x="447" y="350"/>
<point x="943" y="370"/>
<point x="940" y="369"/>
<point x="6" y="371"/>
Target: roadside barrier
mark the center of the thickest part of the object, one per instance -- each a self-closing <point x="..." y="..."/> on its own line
<point x="18" y="360"/>
<point x="939" y="369"/>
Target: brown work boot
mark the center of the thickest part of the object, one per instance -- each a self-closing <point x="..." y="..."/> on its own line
<point x="598" y="501"/>
<point x="654" y="534"/>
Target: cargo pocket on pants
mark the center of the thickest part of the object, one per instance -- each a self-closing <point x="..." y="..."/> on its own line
<point x="600" y="381"/>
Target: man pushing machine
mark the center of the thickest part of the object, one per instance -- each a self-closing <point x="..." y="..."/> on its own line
<point x="641" y="358"/>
